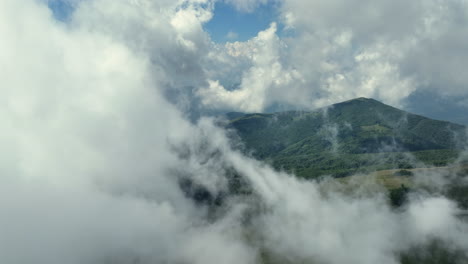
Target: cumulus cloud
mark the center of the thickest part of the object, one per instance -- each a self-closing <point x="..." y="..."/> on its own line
<point x="95" y="148"/>
<point x="384" y="50"/>
<point x="261" y="83"/>
<point x="85" y="162"/>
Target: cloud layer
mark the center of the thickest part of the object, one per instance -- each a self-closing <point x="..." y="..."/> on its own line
<point x="95" y="141"/>
<point x="339" y="50"/>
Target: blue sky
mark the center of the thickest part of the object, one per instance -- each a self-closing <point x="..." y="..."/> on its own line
<point x="60" y="9"/>
<point x="244" y="25"/>
<point x="227" y="24"/>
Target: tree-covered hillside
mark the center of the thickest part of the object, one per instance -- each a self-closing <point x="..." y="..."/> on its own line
<point x="356" y="135"/>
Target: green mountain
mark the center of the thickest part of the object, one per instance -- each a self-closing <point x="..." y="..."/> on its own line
<point x="357" y="135"/>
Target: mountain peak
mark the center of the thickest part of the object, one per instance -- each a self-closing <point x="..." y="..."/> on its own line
<point x="361" y="100"/>
<point x="346" y="136"/>
<point x="359" y="107"/>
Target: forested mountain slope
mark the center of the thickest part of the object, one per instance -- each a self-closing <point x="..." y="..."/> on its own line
<point x="357" y="135"/>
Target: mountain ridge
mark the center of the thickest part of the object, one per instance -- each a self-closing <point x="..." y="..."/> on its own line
<point x="349" y="136"/>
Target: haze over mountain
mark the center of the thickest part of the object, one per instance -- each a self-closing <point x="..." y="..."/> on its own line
<point x="356" y="135"/>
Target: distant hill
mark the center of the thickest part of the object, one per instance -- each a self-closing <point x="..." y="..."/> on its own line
<point x="357" y="135"/>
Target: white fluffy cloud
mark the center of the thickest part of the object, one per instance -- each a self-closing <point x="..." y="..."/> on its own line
<point x="85" y="154"/>
<point x="338" y="50"/>
<point x="261" y="83"/>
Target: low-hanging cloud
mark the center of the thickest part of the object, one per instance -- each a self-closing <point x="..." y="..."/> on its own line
<point x="93" y="153"/>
